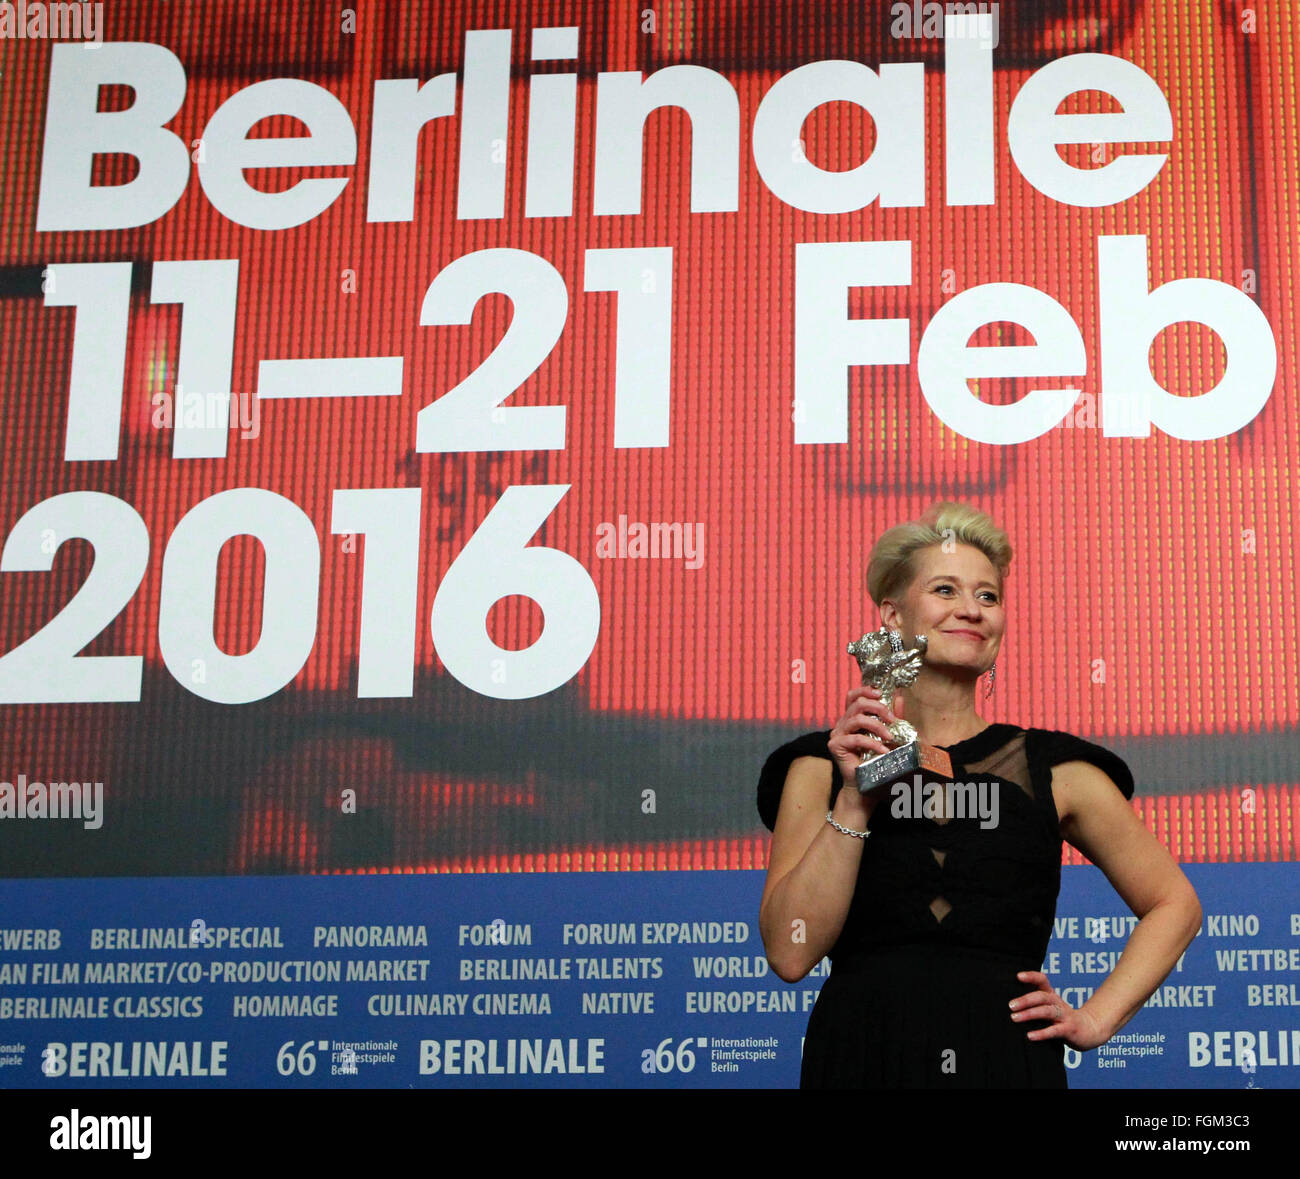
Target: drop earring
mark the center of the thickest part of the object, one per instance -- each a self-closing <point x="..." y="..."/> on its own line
<point x="988" y="691"/>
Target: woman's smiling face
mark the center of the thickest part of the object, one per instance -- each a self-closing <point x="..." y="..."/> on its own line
<point x="955" y="601"/>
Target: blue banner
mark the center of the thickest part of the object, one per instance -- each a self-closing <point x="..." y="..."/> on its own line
<point x="629" y="979"/>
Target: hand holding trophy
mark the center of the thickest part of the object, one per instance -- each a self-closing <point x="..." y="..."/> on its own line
<point x="887" y="665"/>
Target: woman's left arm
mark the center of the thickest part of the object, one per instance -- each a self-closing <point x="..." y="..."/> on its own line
<point x="1097" y="819"/>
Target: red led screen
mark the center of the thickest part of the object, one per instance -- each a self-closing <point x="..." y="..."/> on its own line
<point x="370" y="728"/>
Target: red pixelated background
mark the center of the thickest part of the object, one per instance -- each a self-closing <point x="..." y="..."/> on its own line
<point x="1166" y="563"/>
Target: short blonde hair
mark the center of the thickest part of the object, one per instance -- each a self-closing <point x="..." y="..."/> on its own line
<point x="892" y="563"/>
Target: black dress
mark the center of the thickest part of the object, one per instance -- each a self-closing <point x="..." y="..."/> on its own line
<point x="946" y="911"/>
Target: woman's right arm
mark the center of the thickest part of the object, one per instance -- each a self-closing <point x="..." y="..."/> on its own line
<point x="813" y="868"/>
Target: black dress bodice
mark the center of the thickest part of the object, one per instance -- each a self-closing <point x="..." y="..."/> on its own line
<point x="977" y="865"/>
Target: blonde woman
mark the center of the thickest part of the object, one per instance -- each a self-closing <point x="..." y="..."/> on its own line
<point x="936" y="907"/>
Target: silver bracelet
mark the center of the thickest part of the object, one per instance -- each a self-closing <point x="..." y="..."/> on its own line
<point x="830" y="818"/>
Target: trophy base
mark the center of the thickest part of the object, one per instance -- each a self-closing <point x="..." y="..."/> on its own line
<point x="906" y="759"/>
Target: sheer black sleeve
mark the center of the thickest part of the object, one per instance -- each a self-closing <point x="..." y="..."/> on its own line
<point x="771" y="779"/>
<point x="1051" y="748"/>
